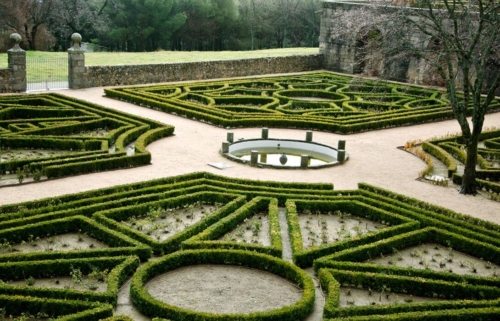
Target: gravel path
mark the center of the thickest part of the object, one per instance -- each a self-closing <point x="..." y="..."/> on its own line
<point x="374" y="159"/>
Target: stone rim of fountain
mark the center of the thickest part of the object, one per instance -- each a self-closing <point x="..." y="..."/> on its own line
<point x="340" y="155"/>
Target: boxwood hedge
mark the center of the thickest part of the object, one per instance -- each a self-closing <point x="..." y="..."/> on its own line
<point x="98" y="213"/>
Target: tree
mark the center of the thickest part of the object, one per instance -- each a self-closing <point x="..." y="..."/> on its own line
<point x="461" y="44"/>
<point x="305" y="23"/>
<point x="209" y="24"/>
<point x="192" y="35"/>
<point x="280" y="17"/>
<point x="144" y="25"/>
<point x="225" y="16"/>
<point x="252" y="15"/>
<point x="28" y="17"/>
<point x="86" y="17"/>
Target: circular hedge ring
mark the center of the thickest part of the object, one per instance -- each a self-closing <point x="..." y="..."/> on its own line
<point x="152" y="307"/>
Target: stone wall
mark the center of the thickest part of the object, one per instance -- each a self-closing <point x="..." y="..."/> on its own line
<point x="6" y="75"/>
<point x="340" y="54"/>
<point x="97" y="76"/>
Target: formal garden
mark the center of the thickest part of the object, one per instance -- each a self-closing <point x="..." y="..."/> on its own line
<point x="50" y="135"/>
<point x="316" y="101"/>
<point x="201" y="246"/>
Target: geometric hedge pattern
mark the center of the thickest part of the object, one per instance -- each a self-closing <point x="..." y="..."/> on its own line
<point x="104" y="215"/>
<point x="89" y="137"/>
<point x="451" y="151"/>
<point x="319" y="100"/>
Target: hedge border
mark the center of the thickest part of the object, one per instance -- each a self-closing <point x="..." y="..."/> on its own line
<point x="354" y="206"/>
<point x="111" y="218"/>
<point x="125" y="128"/>
<point x="352" y="259"/>
<point x="207" y="238"/>
<point x="152" y="307"/>
<point x="70" y="310"/>
<point x="120" y="268"/>
<point x="468" y="294"/>
<point x="118" y="243"/>
<point x="426" y="106"/>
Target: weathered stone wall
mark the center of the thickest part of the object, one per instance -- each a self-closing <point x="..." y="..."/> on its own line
<point x="6" y="75"/>
<point x="97" y="76"/>
<point x="340" y="54"/>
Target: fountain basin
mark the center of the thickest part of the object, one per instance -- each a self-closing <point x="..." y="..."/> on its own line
<point x="269" y="152"/>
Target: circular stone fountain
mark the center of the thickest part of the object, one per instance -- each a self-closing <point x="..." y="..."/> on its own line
<point x="283" y="153"/>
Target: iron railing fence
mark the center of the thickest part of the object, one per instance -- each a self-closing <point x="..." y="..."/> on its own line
<point x="46" y="73"/>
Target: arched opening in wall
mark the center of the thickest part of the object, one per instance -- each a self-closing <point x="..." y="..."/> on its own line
<point x="396" y="68"/>
<point x="368" y="52"/>
<point x="434" y="59"/>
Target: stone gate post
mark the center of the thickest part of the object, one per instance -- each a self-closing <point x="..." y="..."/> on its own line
<point x="17" y="62"/>
<point x="76" y="64"/>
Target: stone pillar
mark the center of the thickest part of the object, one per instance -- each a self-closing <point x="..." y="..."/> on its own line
<point x="76" y="64"/>
<point x="341" y="156"/>
<point x="225" y="147"/>
<point x="309" y="136"/>
<point x="265" y="133"/>
<point x="17" y="62"/>
<point x="254" y="157"/>
<point x="304" y="161"/>
<point x="341" y="145"/>
<point x="230" y="137"/>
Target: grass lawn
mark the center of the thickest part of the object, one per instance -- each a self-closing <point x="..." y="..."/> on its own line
<point x="136" y="58"/>
<point x="129" y="58"/>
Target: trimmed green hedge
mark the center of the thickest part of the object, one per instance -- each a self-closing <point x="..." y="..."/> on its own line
<point x="118" y="243"/>
<point x="305" y="257"/>
<point x="390" y="245"/>
<point x="450" y="150"/>
<point x="431" y="215"/>
<point x="207" y="238"/>
<point x="112" y="218"/>
<point x="59" y="122"/>
<point x="298" y="95"/>
<point x="442" y="155"/>
<point x="152" y="307"/>
<point x="484" y="314"/>
<point x="120" y="268"/>
<point x="462" y="295"/>
<point x="329" y="279"/>
<point x="64" y="310"/>
<point x="98" y="213"/>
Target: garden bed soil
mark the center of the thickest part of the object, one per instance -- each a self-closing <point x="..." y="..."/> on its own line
<point x="254" y="230"/>
<point x="223" y="289"/>
<point x="66" y="282"/>
<point x="63" y="242"/>
<point x="439" y="258"/>
<point x="161" y="224"/>
<point x="322" y="229"/>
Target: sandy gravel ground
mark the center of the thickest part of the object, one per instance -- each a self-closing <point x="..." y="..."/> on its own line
<point x="374" y="159"/>
<point x="223" y="289"/>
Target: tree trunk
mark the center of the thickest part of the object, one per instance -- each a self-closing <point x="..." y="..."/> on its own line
<point x="29" y="37"/>
<point x="469" y="178"/>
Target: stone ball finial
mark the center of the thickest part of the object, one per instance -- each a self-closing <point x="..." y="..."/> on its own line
<point x="76" y="38"/>
<point x="16" y="39"/>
